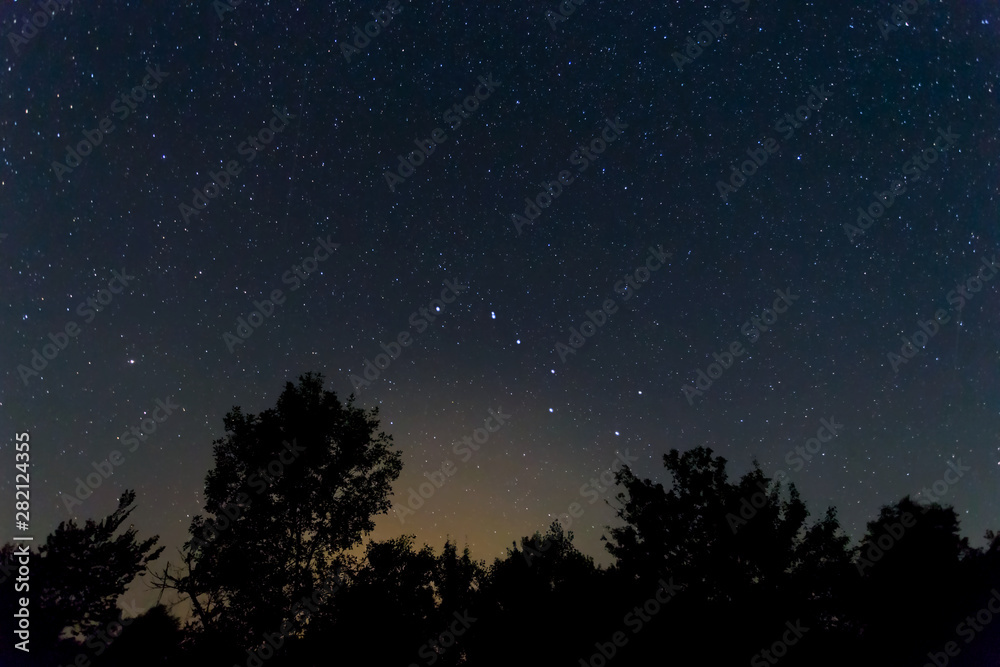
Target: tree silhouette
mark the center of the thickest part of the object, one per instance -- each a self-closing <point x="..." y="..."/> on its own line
<point x="77" y="577"/>
<point x="154" y="638"/>
<point x="910" y="559"/>
<point x="456" y="578"/>
<point x="543" y="594"/>
<point x="741" y="550"/>
<point x="395" y="585"/>
<point x="717" y="536"/>
<point x="293" y="495"/>
<point x="293" y="489"/>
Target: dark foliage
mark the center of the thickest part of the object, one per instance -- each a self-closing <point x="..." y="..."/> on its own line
<point x="705" y="569"/>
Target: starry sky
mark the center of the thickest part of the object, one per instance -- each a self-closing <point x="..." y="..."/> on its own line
<point x="682" y="118"/>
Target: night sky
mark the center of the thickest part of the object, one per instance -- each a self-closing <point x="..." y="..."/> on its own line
<point x="672" y="264"/>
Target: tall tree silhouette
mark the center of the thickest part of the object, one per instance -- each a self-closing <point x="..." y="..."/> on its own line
<point x="293" y="489"/>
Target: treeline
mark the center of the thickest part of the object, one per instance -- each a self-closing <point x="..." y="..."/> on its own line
<point x="272" y="574"/>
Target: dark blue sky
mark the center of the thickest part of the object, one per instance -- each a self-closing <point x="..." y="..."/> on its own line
<point x="226" y="85"/>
